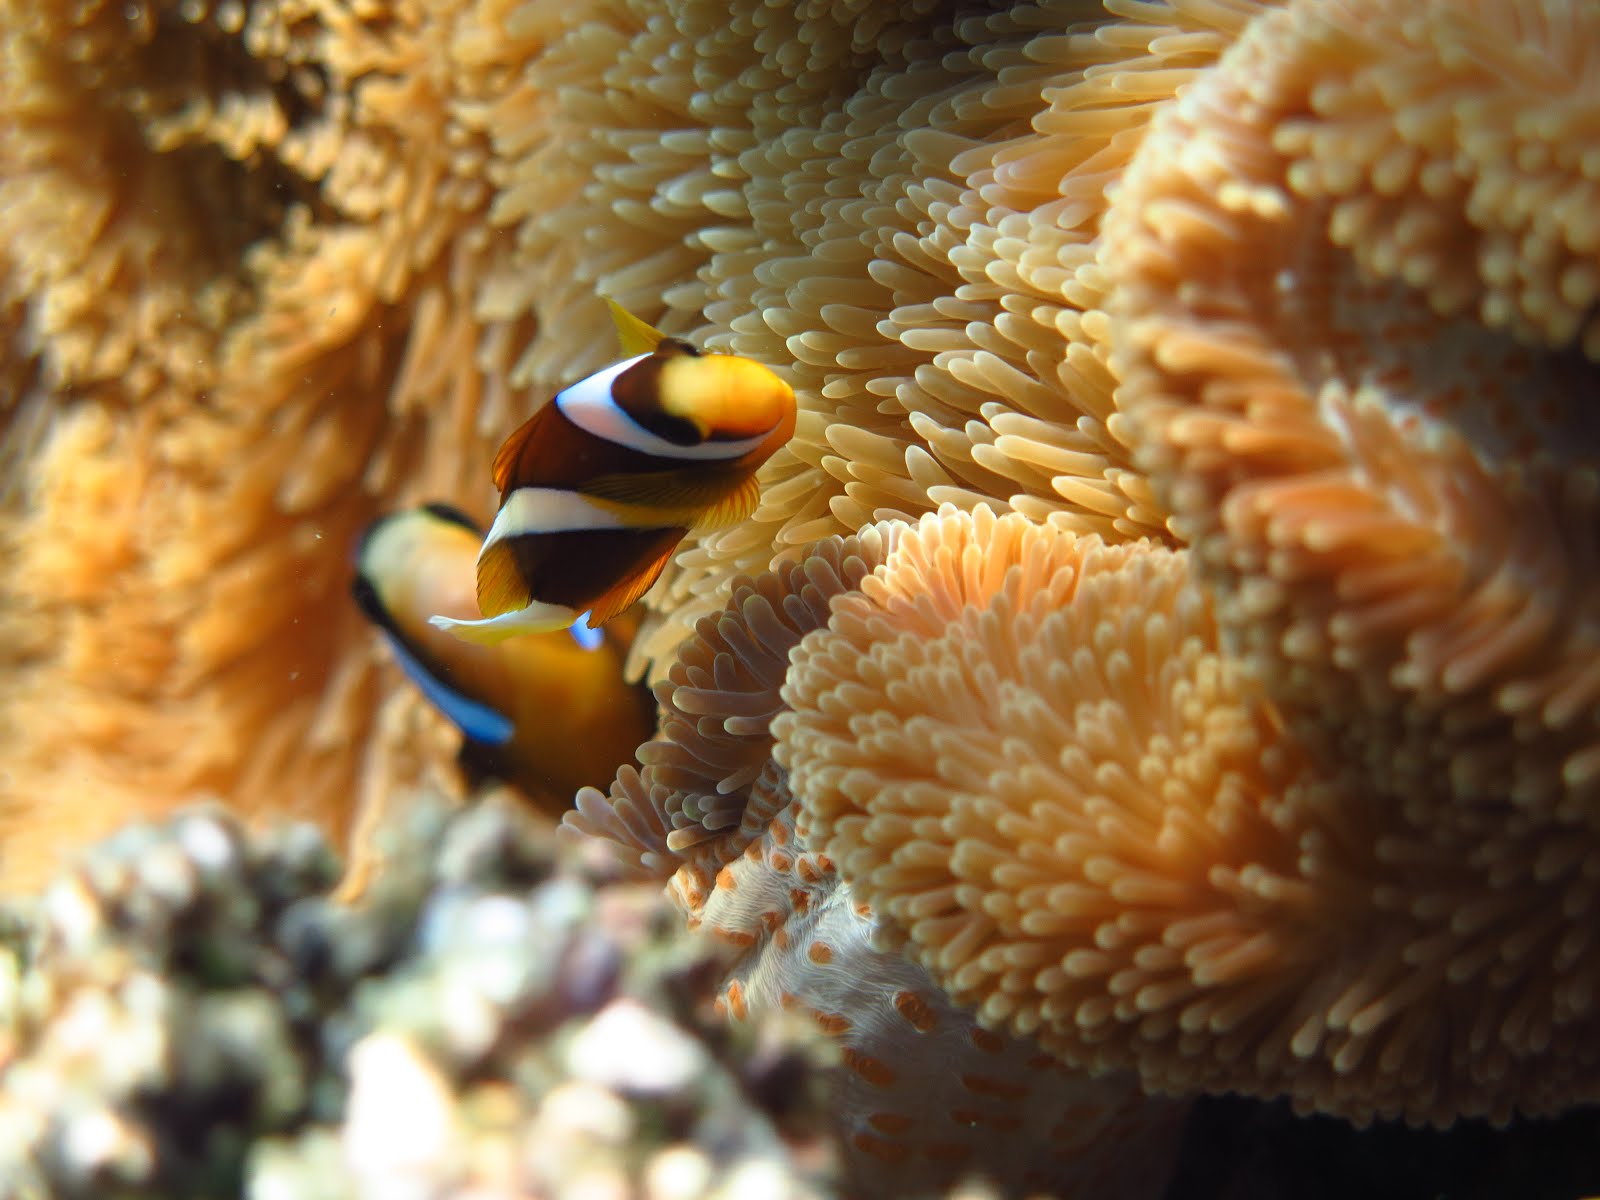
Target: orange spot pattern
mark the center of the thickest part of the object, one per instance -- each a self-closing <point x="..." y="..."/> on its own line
<point x="889" y="1152"/>
<point x="989" y="1043"/>
<point x="832" y="1024"/>
<point x="984" y="1085"/>
<point x="917" y="1011"/>
<point x="871" y="1069"/>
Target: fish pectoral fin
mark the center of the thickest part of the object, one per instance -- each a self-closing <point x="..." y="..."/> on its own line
<point x="689" y="497"/>
<point x="734" y="507"/>
<point x="630" y="589"/>
<point x="636" y="337"/>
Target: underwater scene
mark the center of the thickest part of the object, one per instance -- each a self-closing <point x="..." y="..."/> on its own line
<point x="799" y="599"/>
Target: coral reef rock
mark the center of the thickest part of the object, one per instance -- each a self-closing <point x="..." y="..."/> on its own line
<point x="189" y="1013"/>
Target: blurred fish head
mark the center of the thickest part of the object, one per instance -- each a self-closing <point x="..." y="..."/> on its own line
<point x="547" y="714"/>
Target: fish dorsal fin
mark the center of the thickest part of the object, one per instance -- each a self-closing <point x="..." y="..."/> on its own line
<point x="631" y="588"/>
<point x="510" y="452"/>
<point x="636" y="337"/>
<point x="687" y="496"/>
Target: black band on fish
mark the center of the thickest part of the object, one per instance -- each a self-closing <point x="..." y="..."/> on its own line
<point x="452" y="514"/>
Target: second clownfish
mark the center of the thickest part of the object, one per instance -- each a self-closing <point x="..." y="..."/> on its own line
<point x="600" y="485"/>
<point x="548" y="714"/>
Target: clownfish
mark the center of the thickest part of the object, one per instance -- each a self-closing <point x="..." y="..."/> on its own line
<point x="600" y="485"/>
<point x="546" y="714"/>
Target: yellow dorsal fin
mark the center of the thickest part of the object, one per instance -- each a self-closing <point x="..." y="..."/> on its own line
<point x="636" y="337"/>
<point x="688" y="496"/>
<point x="629" y="589"/>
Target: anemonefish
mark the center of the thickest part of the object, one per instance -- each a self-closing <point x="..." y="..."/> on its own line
<point x="547" y="714"/>
<point x="600" y="485"/>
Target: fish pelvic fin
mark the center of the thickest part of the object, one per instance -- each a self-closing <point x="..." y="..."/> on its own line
<point x="491" y="631"/>
<point x="636" y="337"/>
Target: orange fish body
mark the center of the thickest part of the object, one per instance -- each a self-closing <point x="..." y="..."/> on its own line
<point x="547" y="714"/>
<point x="599" y="486"/>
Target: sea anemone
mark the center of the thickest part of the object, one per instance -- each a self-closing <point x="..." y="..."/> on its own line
<point x="709" y="776"/>
<point x="1310" y="600"/>
<point x="1355" y="274"/>
<point x="284" y="265"/>
<point x="916" y="243"/>
<point x="1354" y="283"/>
<point x="246" y="243"/>
<point x="924" y="1093"/>
<point x="1031" y="755"/>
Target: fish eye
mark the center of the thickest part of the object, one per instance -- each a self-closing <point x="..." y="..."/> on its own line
<point x="677" y="430"/>
<point x="637" y="392"/>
